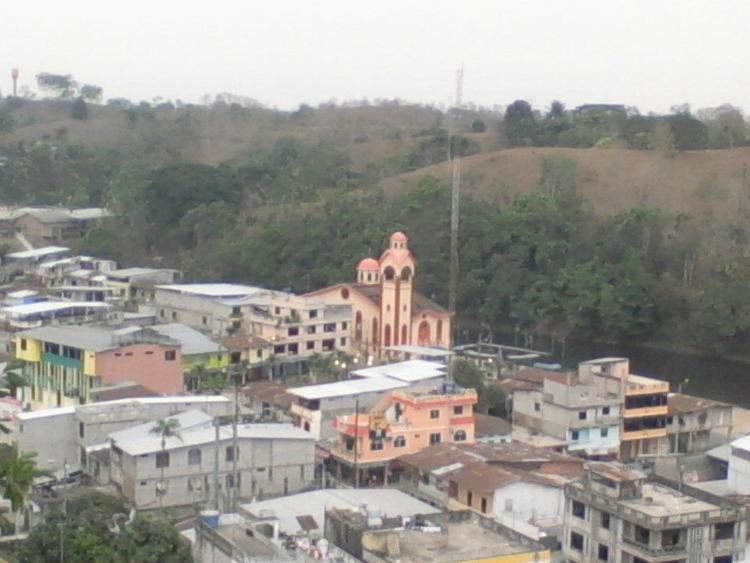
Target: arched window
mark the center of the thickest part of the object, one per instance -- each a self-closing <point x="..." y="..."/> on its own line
<point x="439" y="335"/>
<point x="389" y="273"/>
<point x="459" y="436"/>
<point x="358" y="326"/>
<point x="375" y="335"/>
<point x="344" y="293"/>
<point x="403" y="334"/>
<point x="194" y="457"/>
<point x="387" y="336"/>
<point x="406" y="273"/>
<point x="423" y="335"/>
<point x="399" y="442"/>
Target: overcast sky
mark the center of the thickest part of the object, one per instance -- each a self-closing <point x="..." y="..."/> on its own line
<point x="647" y="53"/>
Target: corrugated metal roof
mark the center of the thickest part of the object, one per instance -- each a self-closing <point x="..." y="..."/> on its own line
<point x="93" y="338"/>
<point x="409" y="371"/>
<point x="221" y="290"/>
<point x="37" y="252"/>
<point x="344" y="388"/>
<point x="193" y="342"/>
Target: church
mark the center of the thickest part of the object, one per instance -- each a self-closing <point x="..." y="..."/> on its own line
<point x="386" y="310"/>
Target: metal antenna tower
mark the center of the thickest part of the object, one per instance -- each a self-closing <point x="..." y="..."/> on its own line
<point x="455" y="193"/>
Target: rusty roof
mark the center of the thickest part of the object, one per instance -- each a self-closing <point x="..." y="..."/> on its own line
<point x="487" y="425"/>
<point x="680" y="403"/>
<point x="270" y="392"/>
<point x="478" y="476"/>
<point x="615" y="471"/>
<point x="239" y="342"/>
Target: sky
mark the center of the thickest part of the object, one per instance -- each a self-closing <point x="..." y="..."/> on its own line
<point x="652" y="54"/>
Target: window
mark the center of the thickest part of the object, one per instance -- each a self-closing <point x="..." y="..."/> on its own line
<point x="605" y="410"/>
<point x="576" y="541"/>
<point x="537" y="406"/>
<point x="230" y="481"/>
<point x="582" y="415"/>
<point x="230" y="453"/>
<point x="458" y="410"/>
<point x="343" y="341"/>
<point x="349" y="444"/>
<point x="604" y="520"/>
<point x="23" y="344"/>
<point x="194" y="457"/>
<point x="236" y="310"/>
<point x="329" y="327"/>
<point x="574" y="435"/>
<point x="435" y="413"/>
<point x="311" y="329"/>
<point x="162" y="459"/>
<point x="313" y="314"/>
<point x="310" y="345"/>
<point x="724" y="531"/>
<point x="149" y="352"/>
<point x="483" y="505"/>
<point x="642" y="535"/>
<point x="293" y="348"/>
<point x="399" y="442"/>
<point x="603" y="552"/>
<point x="344" y="325"/>
<point x="435" y="438"/>
<point x="170" y="355"/>
<point x="329" y="344"/>
<point x="344" y="293"/>
<point x="174" y="315"/>
<point x="469" y="498"/>
<point x="376" y="445"/>
<point x="578" y="509"/>
<point x="204" y="320"/>
<point x="293" y="330"/>
<point x="161" y="313"/>
<point x="279" y="349"/>
<point x="723" y="559"/>
<point x="306" y="426"/>
<point x="605" y="432"/>
<point x="459" y="436"/>
<point x="277" y="310"/>
<point x="80" y="429"/>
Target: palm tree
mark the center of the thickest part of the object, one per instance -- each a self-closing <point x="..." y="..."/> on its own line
<point x="166" y="428"/>
<point x="17" y="474"/>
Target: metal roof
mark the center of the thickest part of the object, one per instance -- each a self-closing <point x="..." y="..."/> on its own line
<point x="193" y="341"/>
<point x="421" y="350"/>
<point x="389" y="502"/>
<point x="409" y="371"/>
<point x="51" y="306"/>
<point x="220" y="290"/>
<point x="344" y="388"/>
<point x="186" y="421"/>
<point x="38" y="252"/>
<point x="93" y="338"/>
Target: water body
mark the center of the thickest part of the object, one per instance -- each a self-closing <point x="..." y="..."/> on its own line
<point x="713" y="378"/>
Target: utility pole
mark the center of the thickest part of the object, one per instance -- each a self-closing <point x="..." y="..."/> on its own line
<point x="235" y="484"/>
<point x="356" y="439"/>
<point x="455" y="194"/>
<point x="14" y="76"/>
<point x="216" y="464"/>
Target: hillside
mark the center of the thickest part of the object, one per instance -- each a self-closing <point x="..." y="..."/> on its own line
<point x="612" y="179"/>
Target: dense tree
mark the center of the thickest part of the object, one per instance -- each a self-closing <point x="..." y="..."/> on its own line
<point x="520" y="123"/>
<point x="91" y="92"/>
<point x="79" y="109"/>
<point x="61" y="84"/>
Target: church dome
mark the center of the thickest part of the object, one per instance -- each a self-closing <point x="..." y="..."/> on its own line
<point x="368" y="264"/>
<point x="398" y="236"/>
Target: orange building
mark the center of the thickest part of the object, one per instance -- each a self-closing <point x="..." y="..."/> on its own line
<point x="403" y="422"/>
<point x="386" y="309"/>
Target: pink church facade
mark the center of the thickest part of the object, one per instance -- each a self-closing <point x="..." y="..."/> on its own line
<point x="386" y="310"/>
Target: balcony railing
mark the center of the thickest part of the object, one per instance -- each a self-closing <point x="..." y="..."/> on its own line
<point x="643" y="434"/>
<point x="655" y="550"/>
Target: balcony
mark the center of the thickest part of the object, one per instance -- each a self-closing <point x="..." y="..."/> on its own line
<point x="594" y="421"/>
<point x="642" y="412"/>
<point x="655" y="551"/>
<point x="643" y="434"/>
<point x="61" y="361"/>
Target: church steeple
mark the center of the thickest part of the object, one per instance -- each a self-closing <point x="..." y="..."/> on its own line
<point x="396" y="274"/>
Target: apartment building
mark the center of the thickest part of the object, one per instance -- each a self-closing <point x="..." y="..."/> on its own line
<point x="574" y="409"/>
<point x="618" y="515"/>
<point x="402" y="422"/>
<point x="316" y="406"/>
<point x="70" y="434"/>
<point x="270" y="459"/>
<point x="298" y="327"/>
<point x="198" y="350"/>
<point x="696" y="424"/>
<point x="137" y="285"/>
<point x="62" y="363"/>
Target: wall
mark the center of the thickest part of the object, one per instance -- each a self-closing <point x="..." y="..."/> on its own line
<point x="530" y="501"/>
<point x="214" y="360"/>
<point x="144" y="364"/>
<point x="33" y="352"/>
<point x="52" y="438"/>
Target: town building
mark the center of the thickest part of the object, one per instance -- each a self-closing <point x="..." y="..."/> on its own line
<point x="490" y="429"/>
<point x="458" y="536"/>
<point x="62" y="363"/>
<point x="298" y="327"/>
<point x="402" y="422"/>
<point x="50" y="224"/>
<point x="137" y="285"/>
<point x="151" y="471"/>
<point x="387" y="310"/>
<point x="37" y="314"/>
<point x="618" y="515"/>
<point x="695" y="424"/>
<point x="66" y="435"/>
<point x="317" y="406"/>
<point x="198" y="350"/>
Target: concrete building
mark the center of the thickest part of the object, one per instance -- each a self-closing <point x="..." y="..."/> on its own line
<point x="317" y="406"/>
<point x="137" y="285"/>
<point x="457" y="536"/>
<point x="298" y="327"/>
<point x="617" y="515"/>
<point x="198" y="350"/>
<point x="695" y="424"/>
<point x="387" y="311"/>
<point x="68" y="434"/>
<point x="62" y="363"/>
<point x="50" y="224"/>
<point x="270" y="459"/>
<point x="402" y="422"/>
<point x="27" y="316"/>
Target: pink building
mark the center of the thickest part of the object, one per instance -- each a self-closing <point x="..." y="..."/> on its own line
<point x="386" y="309"/>
<point x="403" y="422"/>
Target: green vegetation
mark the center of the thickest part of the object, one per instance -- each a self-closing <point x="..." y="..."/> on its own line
<point x="96" y="528"/>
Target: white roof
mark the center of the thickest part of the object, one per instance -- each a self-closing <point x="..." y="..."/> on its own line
<point x="186" y="420"/>
<point x="53" y="263"/>
<point x="345" y="388"/>
<point x="212" y="289"/>
<point x="193" y="341"/>
<point x="421" y="350"/>
<point x="51" y="306"/>
<point x="742" y="443"/>
<point x="185" y="399"/>
<point x="21" y="293"/>
<point x="410" y="371"/>
<point x="390" y="502"/>
<point x="149" y="443"/>
<point x="38" y="252"/>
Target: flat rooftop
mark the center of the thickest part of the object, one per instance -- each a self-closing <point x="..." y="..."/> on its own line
<point x="37" y="252"/>
<point x="350" y="387"/>
<point x="660" y="501"/>
<point x="409" y="371"/>
<point x="218" y="290"/>
<point x="459" y="541"/>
